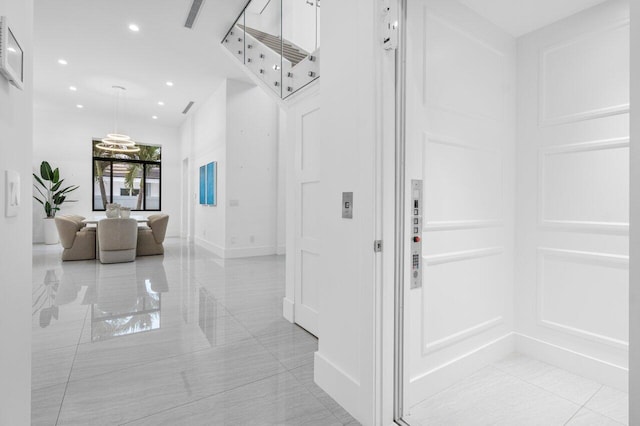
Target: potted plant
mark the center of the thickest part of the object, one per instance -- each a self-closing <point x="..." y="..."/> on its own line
<point x="51" y="195"/>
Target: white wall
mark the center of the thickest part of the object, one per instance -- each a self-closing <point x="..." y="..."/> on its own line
<point x="299" y="22"/>
<point x="15" y="252"/>
<point x="63" y="137"/>
<point x="572" y="294"/>
<point x="204" y="140"/>
<point x="238" y="128"/>
<point x="252" y="174"/>
<point x="346" y="358"/>
<point x="282" y="182"/>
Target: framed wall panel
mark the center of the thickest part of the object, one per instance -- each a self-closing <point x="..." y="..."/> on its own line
<point x="211" y="183"/>
<point x="203" y="185"/>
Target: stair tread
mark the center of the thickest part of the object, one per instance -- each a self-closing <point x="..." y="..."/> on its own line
<point x="290" y="51"/>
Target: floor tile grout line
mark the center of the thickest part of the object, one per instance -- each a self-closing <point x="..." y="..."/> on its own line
<point x="258" y="340"/>
<point x="75" y="354"/>
<point x="598" y="412"/>
<point x="452" y="385"/>
<point x="585" y="404"/>
<point x="543" y="389"/>
<point x="573" y="415"/>
<point x="282" y="364"/>
<point x="150" y="362"/>
<point x="202" y="398"/>
<point x="317" y="399"/>
<point x="287" y="368"/>
<point x="158" y="360"/>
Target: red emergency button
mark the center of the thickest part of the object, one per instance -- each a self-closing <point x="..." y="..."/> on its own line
<point x="416" y="239"/>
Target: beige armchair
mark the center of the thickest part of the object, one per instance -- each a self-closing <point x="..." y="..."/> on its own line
<point x="79" y="243"/>
<point x="150" y="238"/>
<point x="117" y="240"/>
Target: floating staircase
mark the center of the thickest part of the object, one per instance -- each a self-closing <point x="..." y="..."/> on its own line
<point x="274" y="62"/>
<point x="290" y="51"/>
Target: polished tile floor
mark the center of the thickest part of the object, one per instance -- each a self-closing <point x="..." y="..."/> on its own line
<point x="184" y="339"/>
<point x="520" y="391"/>
<point x="191" y="339"/>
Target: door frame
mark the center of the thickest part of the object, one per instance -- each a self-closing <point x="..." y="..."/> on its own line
<point x="634" y="231"/>
<point x="399" y="216"/>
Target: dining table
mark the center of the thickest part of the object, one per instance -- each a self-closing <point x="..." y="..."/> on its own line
<point x="95" y="219"/>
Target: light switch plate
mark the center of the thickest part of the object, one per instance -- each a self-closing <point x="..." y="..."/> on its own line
<point x="12" y="193"/>
<point x="347" y="205"/>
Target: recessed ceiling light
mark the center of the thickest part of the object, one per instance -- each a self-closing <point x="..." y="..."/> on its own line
<point x="62" y="61"/>
<point x="155" y="117"/>
<point x="134" y="28"/>
<point x="73" y="88"/>
<point x="80" y="106"/>
<point x="170" y="83"/>
<point x="161" y="103"/>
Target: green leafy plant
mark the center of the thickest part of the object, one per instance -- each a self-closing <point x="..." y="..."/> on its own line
<point x="52" y="193"/>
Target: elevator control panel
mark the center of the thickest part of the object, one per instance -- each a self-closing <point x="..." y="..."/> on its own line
<point x="416" y="233"/>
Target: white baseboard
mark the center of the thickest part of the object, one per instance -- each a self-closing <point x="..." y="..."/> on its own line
<point x="234" y="253"/>
<point x="338" y="384"/>
<point x="288" y="309"/>
<point x="443" y="376"/>
<point x="214" y="248"/>
<point x="281" y="250"/>
<point x="582" y="364"/>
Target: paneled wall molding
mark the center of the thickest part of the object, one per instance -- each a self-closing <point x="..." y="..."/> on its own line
<point x="304" y="131"/>
<point x="453" y="225"/>
<point x="441" y="376"/>
<point x="618" y="228"/>
<point x="483" y="44"/>
<point x="602" y="259"/>
<point x="577" y="362"/>
<point x="459" y="256"/>
<point x="547" y="120"/>
<point x="475" y="223"/>
<point x="447" y="341"/>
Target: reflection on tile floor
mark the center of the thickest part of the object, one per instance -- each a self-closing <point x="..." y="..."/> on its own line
<point x="523" y="391"/>
<point x="184" y="339"/>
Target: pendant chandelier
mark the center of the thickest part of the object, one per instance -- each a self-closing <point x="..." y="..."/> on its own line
<point x="117" y="142"/>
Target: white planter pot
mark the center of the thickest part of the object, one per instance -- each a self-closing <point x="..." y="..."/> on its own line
<point x="50" y="231"/>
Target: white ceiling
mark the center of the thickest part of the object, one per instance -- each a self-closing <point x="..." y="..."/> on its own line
<point x="519" y="17"/>
<point x="94" y="38"/>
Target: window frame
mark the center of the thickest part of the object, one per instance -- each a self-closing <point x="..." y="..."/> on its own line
<point x="111" y="161"/>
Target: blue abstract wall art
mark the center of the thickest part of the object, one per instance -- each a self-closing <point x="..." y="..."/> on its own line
<point x="208" y="184"/>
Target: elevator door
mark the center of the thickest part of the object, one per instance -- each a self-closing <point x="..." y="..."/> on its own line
<point x="460" y="104"/>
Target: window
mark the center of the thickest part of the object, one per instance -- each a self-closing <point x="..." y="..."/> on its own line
<point x="132" y="180"/>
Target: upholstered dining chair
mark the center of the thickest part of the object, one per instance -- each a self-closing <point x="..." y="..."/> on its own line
<point x="151" y="237"/>
<point x="79" y="242"/>
<point x="117" y="240"/>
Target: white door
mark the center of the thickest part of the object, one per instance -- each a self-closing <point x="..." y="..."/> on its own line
<point x="460" y="143"/>
<point x="306" y="130"/>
